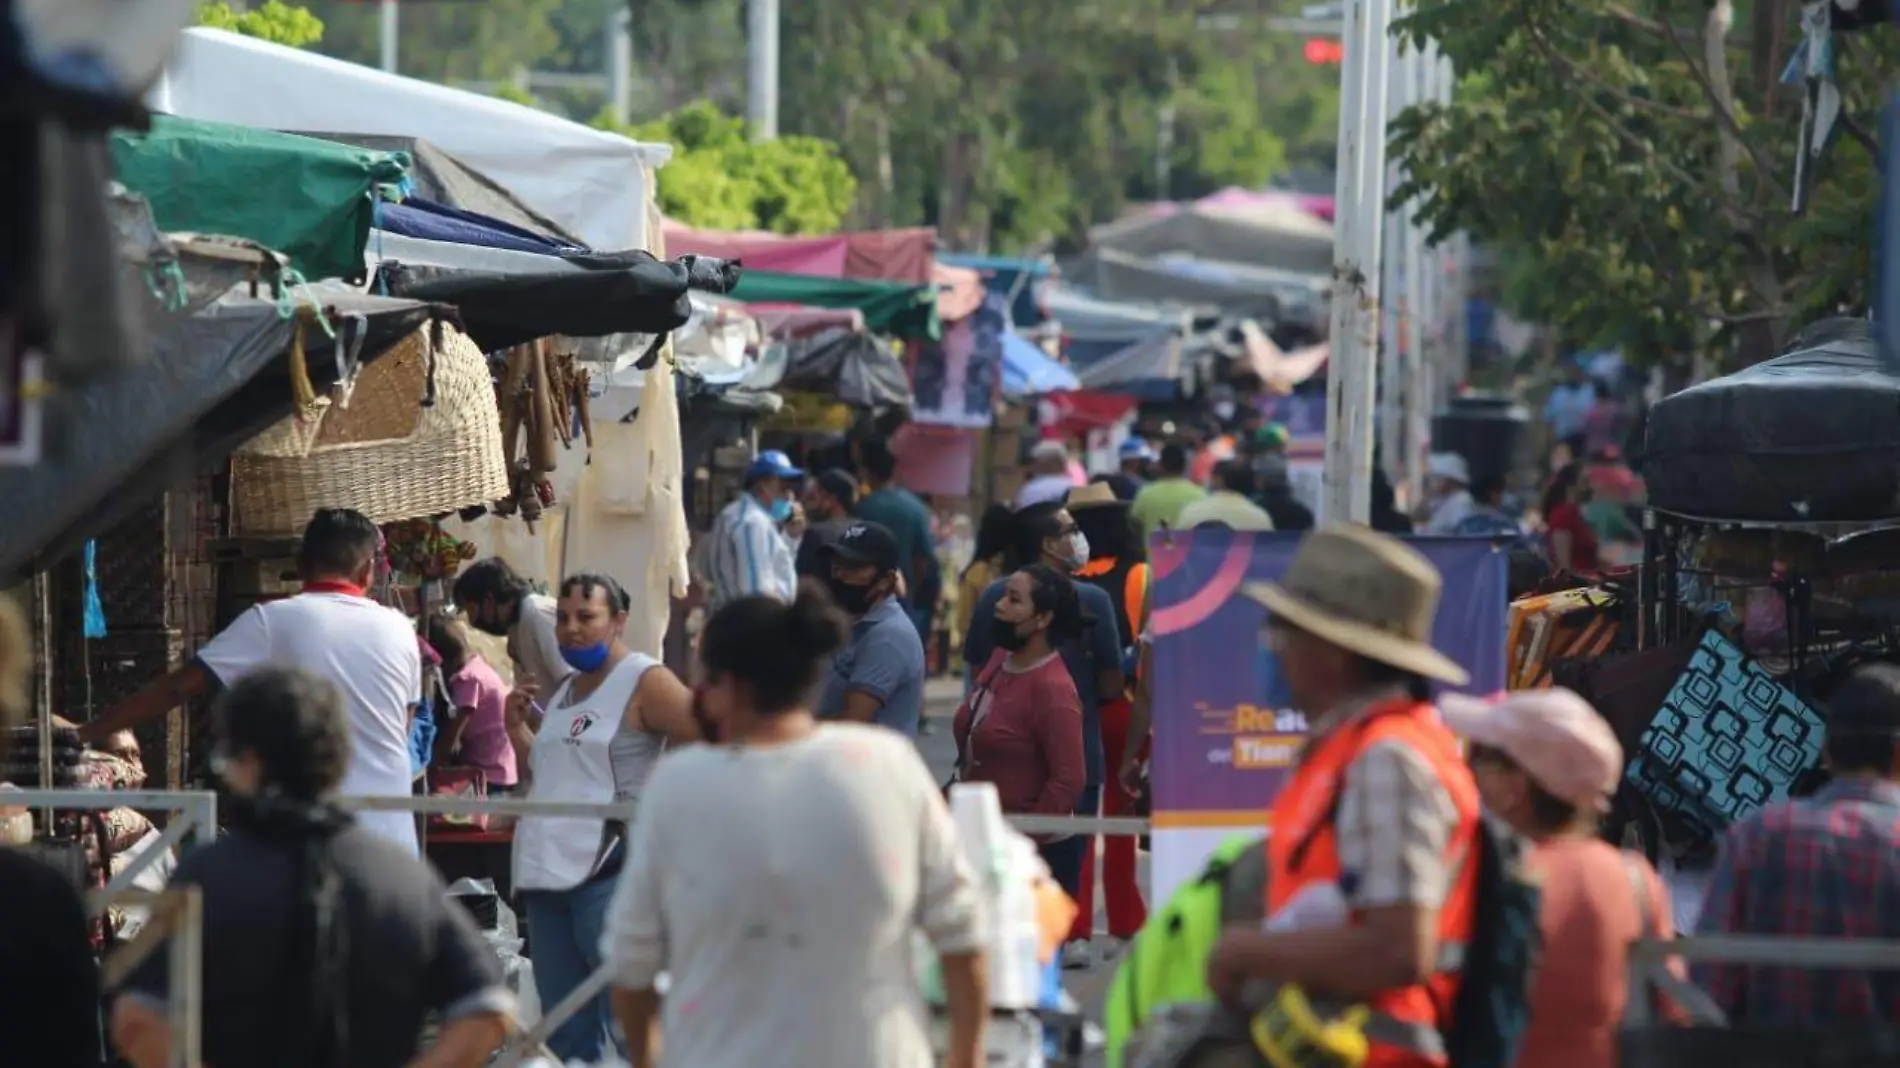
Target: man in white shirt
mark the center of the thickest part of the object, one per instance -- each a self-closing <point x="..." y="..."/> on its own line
<point x="333" y="629"/>
<point x="500" y="603"/>
<point x="746" y="552"/>
<point x="1051" y="481"/>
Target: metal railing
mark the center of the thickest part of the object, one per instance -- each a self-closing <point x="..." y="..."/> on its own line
<point x="1650" y="960"/>
<point x="533" y="1041"/>
<point x="176" y="916"/>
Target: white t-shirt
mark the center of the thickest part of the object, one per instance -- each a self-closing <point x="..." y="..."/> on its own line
<point x="369" y="652"/>
<point x="534" y="648"/>
<point x="1042" y="489"/>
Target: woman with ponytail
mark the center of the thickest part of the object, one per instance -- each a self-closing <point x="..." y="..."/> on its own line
<point x="778" y="878"/>
<point x="325" y="945"/>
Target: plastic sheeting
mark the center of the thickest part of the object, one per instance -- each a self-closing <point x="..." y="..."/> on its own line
<point x="1028" y="371"/>
<point x="618" y="293"/>
<point x="1285" y="238"/>
<point x="907" y="311"/>
<point x="215" y="380"/>
<point x="429" y="221"/>
<point x="593" y="184"/>
<point x="438" y="176"/>
<point x="850" y="366"/>
<point x="313" y="201"/>
<point x="905" y="255"/>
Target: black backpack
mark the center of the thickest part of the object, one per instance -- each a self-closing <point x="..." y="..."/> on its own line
<point x="1494" y="991"/>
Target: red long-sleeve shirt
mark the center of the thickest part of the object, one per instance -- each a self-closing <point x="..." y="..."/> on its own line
<point x="1027" y="736"/>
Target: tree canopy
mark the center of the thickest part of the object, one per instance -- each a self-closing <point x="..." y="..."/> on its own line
<point x="273" y="21"/>
<point x="720" y="179"/>
<point x="1632" y="164"/>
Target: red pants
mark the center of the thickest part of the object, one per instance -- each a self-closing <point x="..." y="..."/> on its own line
<point x="1120" y="885"/>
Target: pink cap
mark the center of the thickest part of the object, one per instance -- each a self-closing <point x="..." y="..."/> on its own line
<point x="1553" y="735"/>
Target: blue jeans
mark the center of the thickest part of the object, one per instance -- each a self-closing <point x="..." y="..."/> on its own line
<point x="564" y="929"/>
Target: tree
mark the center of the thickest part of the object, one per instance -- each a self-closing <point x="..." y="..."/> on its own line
<point x="273" y="21"/>
<point x="1009" y="124"/>
<point x="1632" y="162"/>
<point x="719" y="178"/>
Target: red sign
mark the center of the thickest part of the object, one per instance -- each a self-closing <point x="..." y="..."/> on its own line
<point x="1325" y="50"/>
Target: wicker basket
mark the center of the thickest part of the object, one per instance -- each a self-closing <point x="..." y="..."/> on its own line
<point x="380" y="450"/>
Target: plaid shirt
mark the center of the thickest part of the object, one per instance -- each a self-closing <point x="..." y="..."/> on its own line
<point x="1824" y="867"/>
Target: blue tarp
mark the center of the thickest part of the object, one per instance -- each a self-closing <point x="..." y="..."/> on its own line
<point x="1028" y="371"/>
<point x="1004" y="275"/>
<point x="437" y="222"/>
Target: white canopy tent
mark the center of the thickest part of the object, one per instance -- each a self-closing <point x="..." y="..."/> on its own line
<point x="593" y="183"/>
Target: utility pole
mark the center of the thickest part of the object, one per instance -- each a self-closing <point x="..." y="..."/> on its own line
<point x="620" y="61"/>
<point x="1400" y="336"/>
<point x="388" y="33"/>
<point x="1352" y="375"/>
<point x="761" y="97"/>
<point x="1416" y="389"/>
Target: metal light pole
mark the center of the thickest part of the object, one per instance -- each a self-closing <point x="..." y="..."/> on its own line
<point x="1352" y="378"/>
<point x="620" y="62"/>
<point x="1400" y="337"/>
<point x="391" y="23"/>
<point x="761" y="97"/>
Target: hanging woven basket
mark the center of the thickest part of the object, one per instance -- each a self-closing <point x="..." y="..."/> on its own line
<point x="381" y="450"/>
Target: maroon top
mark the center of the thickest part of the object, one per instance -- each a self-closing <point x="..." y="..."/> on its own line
<point x="1022" y="730"/>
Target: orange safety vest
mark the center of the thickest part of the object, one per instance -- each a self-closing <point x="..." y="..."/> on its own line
<point x="1408" y="1024"/>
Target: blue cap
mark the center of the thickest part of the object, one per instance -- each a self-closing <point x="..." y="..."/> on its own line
<point x="773" y="464"/>
<point x="1137" y="449"/>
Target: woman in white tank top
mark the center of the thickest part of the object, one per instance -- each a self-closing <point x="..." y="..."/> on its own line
<point x="594" y="741"/>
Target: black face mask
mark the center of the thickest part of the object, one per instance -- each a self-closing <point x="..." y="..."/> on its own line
<point x="1006" y="636"/>
<point x="854" y="600"/>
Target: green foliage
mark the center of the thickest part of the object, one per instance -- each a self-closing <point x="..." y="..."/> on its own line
<point x="1009" y="124"/>
<point x="721" y="179"/>
<point x="273" y="21"/>
<point x="1595" y="145"/>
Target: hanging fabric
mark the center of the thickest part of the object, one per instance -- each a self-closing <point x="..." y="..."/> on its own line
<point x="95" y="611"/>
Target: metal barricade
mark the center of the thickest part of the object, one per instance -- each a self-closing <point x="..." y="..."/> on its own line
<point x="533" y="1041"/>
<point x="177" y="916"/>
<point x="1710" y="1037"/>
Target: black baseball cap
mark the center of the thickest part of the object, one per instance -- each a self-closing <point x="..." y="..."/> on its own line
<point x="839" y="484"/>
<point x="869" y="543"/>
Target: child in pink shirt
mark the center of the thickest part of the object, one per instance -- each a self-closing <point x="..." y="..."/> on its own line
<point x="474" y="733"/>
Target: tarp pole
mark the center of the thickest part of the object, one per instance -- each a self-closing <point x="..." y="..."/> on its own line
<point x="1352" y="381"/>
<point x="761" y="90"/>
<point x="387" y="34"/>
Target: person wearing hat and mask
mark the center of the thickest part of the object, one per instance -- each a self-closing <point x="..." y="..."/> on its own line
<point x="1366" y="889"/>
<point x="829" y="499"/>
<point x="747" y="555"/>
<point x="1450" y="501"/>
<point x="878" y="677"/>
<point x="1118" y="567"/>
<point x="1547" y="764"/>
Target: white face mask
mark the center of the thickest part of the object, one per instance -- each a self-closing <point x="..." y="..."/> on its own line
<point x="1224" y="409"/>
<point x="1078" y="550"/>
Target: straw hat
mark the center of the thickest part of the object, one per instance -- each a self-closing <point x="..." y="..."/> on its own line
<point x="1093" y="495"/>
<point x="1367" y="593"/>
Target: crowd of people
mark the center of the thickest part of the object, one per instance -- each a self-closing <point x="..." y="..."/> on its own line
<point x="790" y="838"/>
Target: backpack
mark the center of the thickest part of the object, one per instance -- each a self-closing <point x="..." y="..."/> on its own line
<point x="1166" y="964"/>
<point x="1500" y="961"/>
<point x="1494" y="994"/>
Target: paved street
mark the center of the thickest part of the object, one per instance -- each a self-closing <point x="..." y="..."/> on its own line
<point x="1088" y="986"/>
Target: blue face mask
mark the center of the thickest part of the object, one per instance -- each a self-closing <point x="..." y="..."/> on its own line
<point x="781" y="510"/>
<point x="587" y="657"/>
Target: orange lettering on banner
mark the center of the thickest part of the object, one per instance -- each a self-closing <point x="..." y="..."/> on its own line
<point x="1264" y="751"/>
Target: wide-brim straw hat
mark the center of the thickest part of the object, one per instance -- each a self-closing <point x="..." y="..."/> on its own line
<point x="1093" y="495"/>
<point x="1367" y="593"/>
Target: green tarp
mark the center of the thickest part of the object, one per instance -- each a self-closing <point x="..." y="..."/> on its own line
<point x="892" y="308"/>
<point x="310" y="200"/>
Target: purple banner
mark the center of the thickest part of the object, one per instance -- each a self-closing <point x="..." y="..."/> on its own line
<point x="1224" y="734"/>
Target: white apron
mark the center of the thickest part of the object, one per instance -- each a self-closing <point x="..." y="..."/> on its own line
<point x="572" y="761"/>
